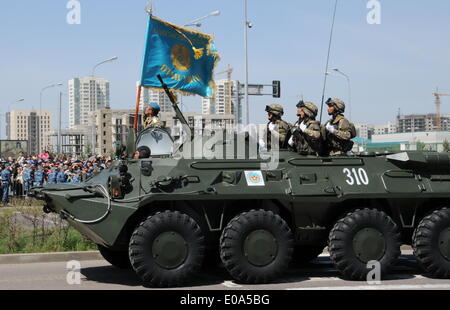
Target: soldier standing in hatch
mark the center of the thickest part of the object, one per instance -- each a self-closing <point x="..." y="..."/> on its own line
<point x="306" y="134"/>
<point x="151" y="119"/>
<point x="338" y="131"/>
<point x="275" y="125"/>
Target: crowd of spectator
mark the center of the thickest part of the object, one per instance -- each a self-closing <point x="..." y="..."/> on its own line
<point x="19" y="175"/>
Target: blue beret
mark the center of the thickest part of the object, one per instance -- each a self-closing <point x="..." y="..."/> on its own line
<point x="153" y="105"/>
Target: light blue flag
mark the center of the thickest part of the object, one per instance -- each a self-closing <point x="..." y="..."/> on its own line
<point x="184" y="58"/>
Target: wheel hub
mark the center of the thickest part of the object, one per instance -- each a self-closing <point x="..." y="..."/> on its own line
<point x="444" y="243"/>
<point x="369" y="244"/>
<point x="169" y="250"/>
<point x="260" y="247"/>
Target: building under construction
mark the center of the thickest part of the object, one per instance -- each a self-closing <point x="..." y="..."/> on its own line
<point x="422" y="122"/>
<point x="425" y="122"/>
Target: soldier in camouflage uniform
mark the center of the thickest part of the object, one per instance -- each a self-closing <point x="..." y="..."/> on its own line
<point x="338" y="131"/>
<point x="151" y="118"/>
<point x="306" y="134"/>
<point x="276" y="125"/>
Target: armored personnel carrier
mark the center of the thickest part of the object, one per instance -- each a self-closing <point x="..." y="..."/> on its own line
<point x="166" y="215"/>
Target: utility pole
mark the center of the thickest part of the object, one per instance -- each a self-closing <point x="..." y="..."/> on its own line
<point x="246" y="26"/>
<point x="59" y="124"/>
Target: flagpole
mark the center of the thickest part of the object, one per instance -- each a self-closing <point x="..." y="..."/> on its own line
<point x="149" y="9"/>
<point x="136" y="114"/>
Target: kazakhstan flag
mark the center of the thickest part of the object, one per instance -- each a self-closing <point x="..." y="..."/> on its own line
<point x="184" y="58"/>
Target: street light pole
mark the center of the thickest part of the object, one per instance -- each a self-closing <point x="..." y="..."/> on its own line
<point x="196" y="21"/>
<point x="4" y="115"/>
<point x="349" y="90"/>
<point x="9" y="110"/>
<point x="94" y="108"/>
<point x="40" y="113"/>
<point x="59" y="124"/>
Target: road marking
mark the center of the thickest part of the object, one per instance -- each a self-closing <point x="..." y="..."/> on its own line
<point x="315" y="279"/>
<point x="230" y="284"/>
<point x="376" y="287"/>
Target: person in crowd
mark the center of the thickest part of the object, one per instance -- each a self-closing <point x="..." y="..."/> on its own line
<point x="27" y="179"/>
<point x="18" y="181"/>
<point x="6" y="182"/>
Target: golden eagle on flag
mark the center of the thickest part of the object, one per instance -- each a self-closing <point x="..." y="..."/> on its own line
<point x="184" y="58"/>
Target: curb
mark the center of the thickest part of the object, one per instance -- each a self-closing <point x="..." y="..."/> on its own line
<point x="49" y="257"/>
<point x="82" y="256"/>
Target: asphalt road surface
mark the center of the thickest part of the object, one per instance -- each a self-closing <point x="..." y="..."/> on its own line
<point x="319" y="275"/>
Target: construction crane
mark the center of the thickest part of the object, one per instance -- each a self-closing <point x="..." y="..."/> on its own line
<point x="438" y="108"/>
<point x="229" y="71"/>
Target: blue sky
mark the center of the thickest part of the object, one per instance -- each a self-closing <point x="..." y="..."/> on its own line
<point x="395" y="65"/>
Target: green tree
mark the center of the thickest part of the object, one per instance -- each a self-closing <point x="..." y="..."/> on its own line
<point x="446" y="146"/>
<point x="420" y="146"/>
<point x="87" y="149"/>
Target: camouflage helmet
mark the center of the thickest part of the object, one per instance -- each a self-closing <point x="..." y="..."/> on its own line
<point x="309" y="108"/>
<point x="275" y="109"/>
<point x="337" y="103"/>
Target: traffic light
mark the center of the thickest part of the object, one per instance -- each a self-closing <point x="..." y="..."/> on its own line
<point x="276" y="89"/>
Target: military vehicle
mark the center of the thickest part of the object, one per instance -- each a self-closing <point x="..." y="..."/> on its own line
<point x="165" y="216"/>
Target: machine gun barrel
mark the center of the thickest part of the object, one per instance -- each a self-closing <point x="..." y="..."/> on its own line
<point x="179" y="115"/>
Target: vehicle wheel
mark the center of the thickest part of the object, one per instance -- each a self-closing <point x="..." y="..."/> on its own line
<point x="431" y="243"/>
<point x="305" y="253"/>
<point x="118" y="259"/>
<point x="364" y="236"/>
<point x="167" y="248"/>
<point x="256" y="247"/>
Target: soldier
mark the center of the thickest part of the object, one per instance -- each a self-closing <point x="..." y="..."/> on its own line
<point x="51" y="179"/>
<point x="151" y="118"/>
<point x="61" y="176"/>
<point x="27" y="179"/>
<point x="76" y="176"/>
<point x="338" y="131"/>
<point x="306" y="136"/>
<point x="1" y="189"/>
<point x="275" y="125"/>
<point x="39" y="176"/>
<point x="6" y="182"/>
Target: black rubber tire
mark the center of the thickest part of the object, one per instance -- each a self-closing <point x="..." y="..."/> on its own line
<point x="304" y="254"/>
<point x="340" y="243"/>
<point x="426" y="244"/>
<point x="141" y="242"/>
<point x="119" y="259"/>
<point x="232" y="246"/>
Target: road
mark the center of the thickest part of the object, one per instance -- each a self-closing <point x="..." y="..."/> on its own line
<point x="318" y="275"/>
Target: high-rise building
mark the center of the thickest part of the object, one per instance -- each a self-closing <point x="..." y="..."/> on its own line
<point x="226" y="100"/>
<point x="152" y="95"/>
<point x="29" y="125"/>
<point x="86" y="95"/>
